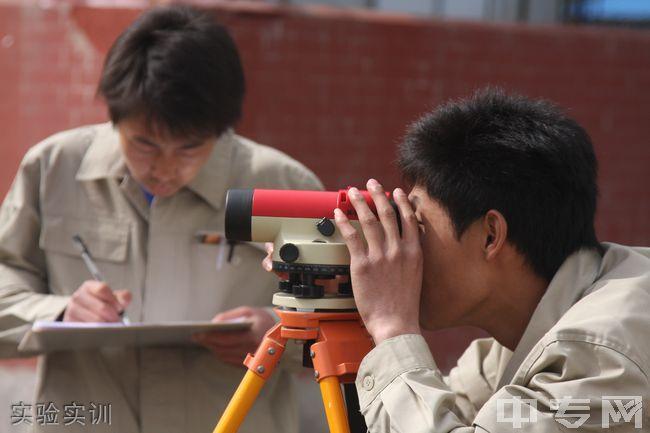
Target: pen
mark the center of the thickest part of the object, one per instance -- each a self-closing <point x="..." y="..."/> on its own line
<point x="231" y="250"/>
<point x="215" y="238"/>
<point x="92" y="267"/>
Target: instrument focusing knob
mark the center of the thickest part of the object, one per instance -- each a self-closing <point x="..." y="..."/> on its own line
<point x="289" y="253"/>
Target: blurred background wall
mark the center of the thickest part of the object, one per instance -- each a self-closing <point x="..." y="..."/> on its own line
<point x="336" y="87"/>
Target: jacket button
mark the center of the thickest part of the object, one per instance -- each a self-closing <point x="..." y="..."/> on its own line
<point x="368" y="383"/>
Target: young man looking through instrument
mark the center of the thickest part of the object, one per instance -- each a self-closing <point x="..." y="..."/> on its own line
<point x="498" y="233"/>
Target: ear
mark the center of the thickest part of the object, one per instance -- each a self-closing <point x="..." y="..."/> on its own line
<point x="495" y="232"/>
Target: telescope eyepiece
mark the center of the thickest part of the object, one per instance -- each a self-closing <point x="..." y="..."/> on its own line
<point x="239" y="213"/>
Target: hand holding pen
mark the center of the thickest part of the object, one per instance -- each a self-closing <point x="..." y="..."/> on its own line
<point x="94" y="301"/>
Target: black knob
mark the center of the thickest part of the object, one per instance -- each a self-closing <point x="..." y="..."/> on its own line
<point x="289" y="253"/>
<point x="308" y="291"/>
<point x="285" y="286"/>
<point x="326" y="227"/>
<point x="345" y="288"/>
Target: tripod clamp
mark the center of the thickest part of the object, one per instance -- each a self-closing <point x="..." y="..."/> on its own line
<point x="340" y="343"/>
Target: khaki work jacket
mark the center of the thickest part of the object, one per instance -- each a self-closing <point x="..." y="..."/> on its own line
<point x="76" y="182"/>
<point x="581" y="365"/>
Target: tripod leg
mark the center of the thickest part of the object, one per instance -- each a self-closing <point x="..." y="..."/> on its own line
<point x="240" y="404"/>
<point x="263" y="362"/>
<point x="337" y="419"/>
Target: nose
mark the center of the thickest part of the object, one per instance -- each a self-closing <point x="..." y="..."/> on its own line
<point x="164" y="167"/>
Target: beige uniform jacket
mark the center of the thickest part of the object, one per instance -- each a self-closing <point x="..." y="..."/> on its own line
<point x="582" y="363"/>
<point x="77" y="182"/>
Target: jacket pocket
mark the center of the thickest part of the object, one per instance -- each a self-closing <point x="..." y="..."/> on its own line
<point x="107" y="239"/>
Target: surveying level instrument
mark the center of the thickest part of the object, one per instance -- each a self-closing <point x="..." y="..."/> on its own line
<point x="307" y="248"/>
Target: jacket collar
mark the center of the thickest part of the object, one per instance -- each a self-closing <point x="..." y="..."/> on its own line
<point x="104" y="160"/>
<point x="570" y="283"/>
<point x="212" y="181"/>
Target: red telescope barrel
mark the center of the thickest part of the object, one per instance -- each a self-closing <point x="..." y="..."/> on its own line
<point x="244" y="204"/>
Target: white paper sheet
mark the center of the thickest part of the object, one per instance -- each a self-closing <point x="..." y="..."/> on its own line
<point x="52" y="336"/>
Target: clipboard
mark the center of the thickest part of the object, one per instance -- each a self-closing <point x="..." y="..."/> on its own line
<point x="45" y="337"/>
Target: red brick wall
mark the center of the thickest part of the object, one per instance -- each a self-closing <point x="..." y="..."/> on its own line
<point x="336" y="89"/>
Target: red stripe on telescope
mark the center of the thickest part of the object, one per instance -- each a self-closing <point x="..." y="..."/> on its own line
<point x="304" y="204"/>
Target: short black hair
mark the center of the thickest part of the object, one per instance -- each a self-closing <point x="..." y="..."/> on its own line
<point x="523" y="157"/>
<point x="179" y="69"/>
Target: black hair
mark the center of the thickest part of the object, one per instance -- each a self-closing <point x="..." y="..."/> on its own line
<point x="522" y="157"/>
<point x="179" y="69"/>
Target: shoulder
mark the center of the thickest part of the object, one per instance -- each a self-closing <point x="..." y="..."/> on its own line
<point x="270" y="168"/>
<point x="67" y="147"/>
<point x="613" y="313"/>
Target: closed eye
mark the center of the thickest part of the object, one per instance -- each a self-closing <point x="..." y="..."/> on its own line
<point x="144" y="146"/>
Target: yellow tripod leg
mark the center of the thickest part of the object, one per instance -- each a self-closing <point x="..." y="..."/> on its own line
<point x="240" y="403"/>
<point x="337" y="418"/>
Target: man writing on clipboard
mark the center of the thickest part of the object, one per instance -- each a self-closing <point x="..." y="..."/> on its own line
<point x="146" y="194"/>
